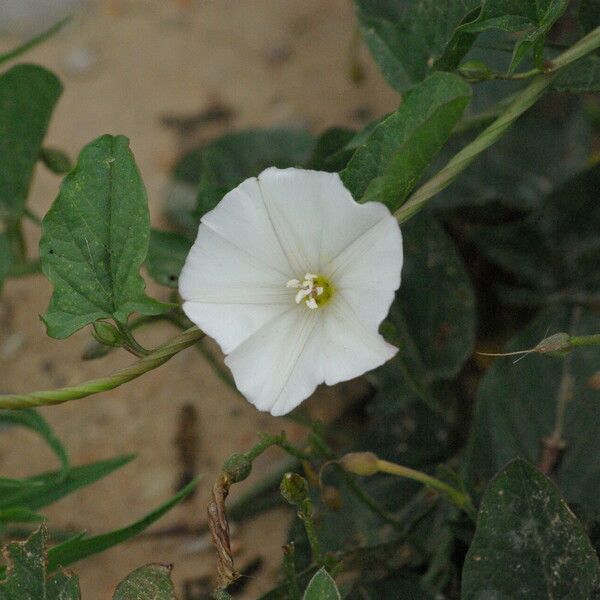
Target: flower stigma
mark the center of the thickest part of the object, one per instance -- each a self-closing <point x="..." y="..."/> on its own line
<point x="314" y="290"/>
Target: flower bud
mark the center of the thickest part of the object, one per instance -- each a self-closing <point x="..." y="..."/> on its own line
<point x="106" y="334"/>
<point x="360" y="463"/>
<point x="475" y="70"/>
<point x="294" y="488"/>
<point x="559" y="344"/>
<point x="238" y="467"/>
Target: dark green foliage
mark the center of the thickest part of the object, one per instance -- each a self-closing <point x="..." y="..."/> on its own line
<point x="26" y="578"/>
<point x="528" y="544"/>
<point x="94" y="240"/>
<point x="408" y="37"/>
<point x="391" y="161"/>
<point x="166" y="254"/>
<point x="28" y="95"/>
<point x="517" y="403"/>
<point x="553" y="253"/>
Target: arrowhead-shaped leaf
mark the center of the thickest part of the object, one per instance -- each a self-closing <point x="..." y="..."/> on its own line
<point x="94" y="240"/>
<point x="28" y="95"/>
<point x="393" y="158"/>
<point x="528" y="544"/>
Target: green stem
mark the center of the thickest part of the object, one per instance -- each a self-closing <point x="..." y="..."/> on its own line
<point x="153" y="360"/>
<point x="305" y="515"/>
<point x="131" y="343"/>
<point x="522" y="102"/>
<point x="289" y="568"/>
<point x="38" y="39"/>
<point x="584" y="340"/>
<point x="460" y="499"/>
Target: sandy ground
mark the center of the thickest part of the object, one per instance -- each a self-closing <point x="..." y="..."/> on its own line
<point x="125" y="65"/>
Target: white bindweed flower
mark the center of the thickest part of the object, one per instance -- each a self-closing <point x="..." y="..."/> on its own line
<point x="292" y="277"/>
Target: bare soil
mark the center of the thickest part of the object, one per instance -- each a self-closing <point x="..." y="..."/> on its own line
<point x="126" y="65"/>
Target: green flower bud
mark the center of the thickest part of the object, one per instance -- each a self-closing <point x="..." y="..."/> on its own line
<point x="294" y="488"/>
<point x="360" y="463"/>
<point x="237" y="467"/>
<point x="107" y="334"/>
<point x="475" y="70"/>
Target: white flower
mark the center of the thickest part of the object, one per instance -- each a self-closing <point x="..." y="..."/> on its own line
<point x="292" y="277"/>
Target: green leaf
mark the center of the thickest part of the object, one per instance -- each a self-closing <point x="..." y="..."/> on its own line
<point x="19" y="515"/>
<point x="50" y="487"/>
<point x="407" y="38"/>
<point x="150" y="582"/>
<point x="532" y="17"/>
<point x="517" y="402"/>
<point x="56" y="160"/>
<point x="31" y="419"/>
<point x="322" y="587"/>
<point x="331" y="152"/>
<point x="387" y="167"/>
<point x="28" y="95"/>
<point x="433" y="318"/>
<point x="589" y="14"/>
<point x="94" y="240"/>
<point x="80" y="547"/>
<point x="26" y="575"/>
<point x="166" y="256"/>
<point x="229" y="160"/>
<point x="553" y="253"/>
<point x="528" y="544"/>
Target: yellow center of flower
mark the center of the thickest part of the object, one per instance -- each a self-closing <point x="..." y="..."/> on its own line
<point x="314" y="290"/>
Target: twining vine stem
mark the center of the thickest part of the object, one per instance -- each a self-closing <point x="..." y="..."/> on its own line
<point x="147" y="363"/>
<point x="521" y="103"/>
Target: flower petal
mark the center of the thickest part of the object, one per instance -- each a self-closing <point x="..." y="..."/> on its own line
<point x="242" y="219"/>
<point x="314" y="215"/>
<point x="278" y="367"/>
<point x="229" y="293"/>
<point x="349" y="347"/>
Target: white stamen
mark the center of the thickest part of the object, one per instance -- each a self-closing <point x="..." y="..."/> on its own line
<point x="312" y="303"/>
<point x="302" y="293"/>
<point x="307" y="291"/>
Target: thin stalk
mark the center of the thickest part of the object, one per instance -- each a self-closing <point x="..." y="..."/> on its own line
<point x="577" y="341"/>
<point x="131" y="343"/>
<point x="153" y="360"/>
<point x="38" y="39"/>
<point x="460" y="499"/>
<point x="522" y="102"/>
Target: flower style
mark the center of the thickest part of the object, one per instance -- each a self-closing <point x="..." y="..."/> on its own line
<point x="292" y="277"/>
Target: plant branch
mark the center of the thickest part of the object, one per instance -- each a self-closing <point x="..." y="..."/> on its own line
<point x="522" y="102"/>
<point x="153" y="360"/>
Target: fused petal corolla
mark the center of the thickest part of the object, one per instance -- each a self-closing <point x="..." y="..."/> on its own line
<point x="292" y="278"/>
